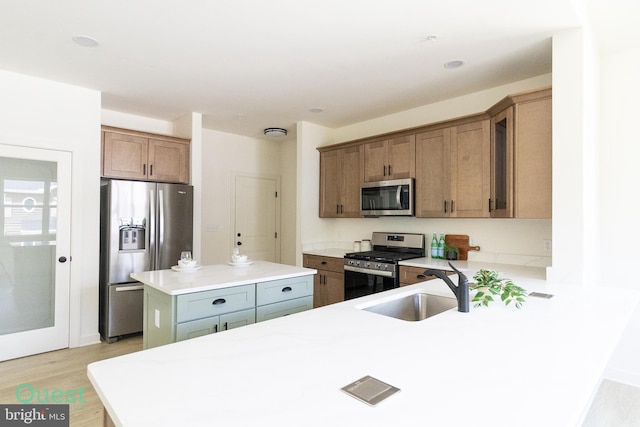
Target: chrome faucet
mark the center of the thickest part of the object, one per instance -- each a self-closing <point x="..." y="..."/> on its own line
<point x="461" y="291"/>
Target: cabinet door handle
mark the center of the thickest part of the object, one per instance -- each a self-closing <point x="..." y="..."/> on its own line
<point x="384" y="170"/>
<point x="219" y="301"/>
<point x="287" y="289"/>
<point x="144" y="169"/>
<point x="489" y="205"/>
<point x="226" y="326"/>
<point x="150" y="170"/>
<point x="452" y="206"/>
<point x="337" y="209"/>
<point x="215" y="328"/>
<point x="445" y="206"/>
<point x="389" y="169"/>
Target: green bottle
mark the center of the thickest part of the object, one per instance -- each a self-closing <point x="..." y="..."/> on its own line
<point x="441" y="247"/>
<point x="434" y="246"/>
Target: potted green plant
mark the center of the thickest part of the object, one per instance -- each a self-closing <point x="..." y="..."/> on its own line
<point x="488" y="285"/>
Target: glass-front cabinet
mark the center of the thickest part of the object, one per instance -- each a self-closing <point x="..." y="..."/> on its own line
<point x="501" y="199"/>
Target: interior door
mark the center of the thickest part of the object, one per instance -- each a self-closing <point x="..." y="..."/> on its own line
<point x="256" y="217"/>
<point x="35" y="243"/>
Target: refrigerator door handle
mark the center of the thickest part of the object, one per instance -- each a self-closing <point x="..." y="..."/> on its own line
<point x="152" y="230"/>
<point x="160" y="223"/>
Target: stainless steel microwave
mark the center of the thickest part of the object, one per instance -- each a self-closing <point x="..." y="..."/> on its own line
<point x="387" y="198"/>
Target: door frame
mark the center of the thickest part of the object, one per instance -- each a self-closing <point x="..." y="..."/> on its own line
<point x="234" y="176"/>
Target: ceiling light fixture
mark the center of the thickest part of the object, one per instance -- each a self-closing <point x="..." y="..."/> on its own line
<point x="456" y="63"/>
<point x="85" y="41"/>
<point x="275" y="132"/>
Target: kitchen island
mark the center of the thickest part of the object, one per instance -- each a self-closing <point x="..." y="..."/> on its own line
<point x="181" y="303"/>
<point x="493" y="366"/>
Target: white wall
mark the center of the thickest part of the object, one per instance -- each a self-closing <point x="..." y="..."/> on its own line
<point x="618" y="178"/>
<point x="223" y="155"/>
<point x="507" y="241"/>
<point x="45" y="114"/>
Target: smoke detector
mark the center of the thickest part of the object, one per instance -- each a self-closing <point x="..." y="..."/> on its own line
<point x="275" y="132"/>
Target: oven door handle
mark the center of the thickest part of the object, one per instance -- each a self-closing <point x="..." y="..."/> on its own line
<point x="369" y="271"/>
<point x="398" y="197"/>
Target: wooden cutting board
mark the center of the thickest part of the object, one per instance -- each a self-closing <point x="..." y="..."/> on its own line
<point x="460" y="241"/>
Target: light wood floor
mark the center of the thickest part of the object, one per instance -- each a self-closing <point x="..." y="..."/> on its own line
<point x="63" y="370"/>
<point x="615" y="405"/>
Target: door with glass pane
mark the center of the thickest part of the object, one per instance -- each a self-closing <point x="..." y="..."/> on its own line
<point x="34" y="250"/>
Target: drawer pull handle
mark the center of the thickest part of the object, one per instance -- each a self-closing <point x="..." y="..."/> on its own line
<point x="323" y="262"/>
<point x="421" y="276"/>
<point x="219" y="301"/>
<point x="226" y="326"/>
<point x="287" y="289"/>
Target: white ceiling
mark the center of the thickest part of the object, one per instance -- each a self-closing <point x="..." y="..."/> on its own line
<point x="250" y="64"/>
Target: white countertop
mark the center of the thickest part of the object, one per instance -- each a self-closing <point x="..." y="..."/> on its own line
<point x="218" y="276"/>
<point x="330" y="252"/>
<point x="493" y="366"/>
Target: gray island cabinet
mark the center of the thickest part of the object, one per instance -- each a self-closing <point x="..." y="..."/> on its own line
<point x="180" y="305"/>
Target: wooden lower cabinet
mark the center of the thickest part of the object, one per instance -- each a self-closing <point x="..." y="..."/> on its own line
<point x="411" y="275"/>
<point x="328" y="283"/>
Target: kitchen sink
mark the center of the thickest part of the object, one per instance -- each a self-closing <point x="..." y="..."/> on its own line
<point x="414" y="307"/>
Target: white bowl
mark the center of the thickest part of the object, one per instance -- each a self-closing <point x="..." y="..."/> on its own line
<point x="187" y="264"/>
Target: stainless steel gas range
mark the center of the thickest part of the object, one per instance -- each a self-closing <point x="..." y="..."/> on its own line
<point x="378" y="270"/>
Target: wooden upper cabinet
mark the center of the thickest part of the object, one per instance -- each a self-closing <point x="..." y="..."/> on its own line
<point x="452" y="179"/>
<point x="470" y="170"/>
<point x="142" y="156"/>
<point x="124" y="156"/>
<point x="533" y="159"/>
<point x="492" y="164"/>
<point x="340" y="181"/>
<point x="168" y="161"/>
<point x="501" y="200"/>
<point x="390" y="159"/>
<point x="521" y="157"/>
<point x="433" y="186"/>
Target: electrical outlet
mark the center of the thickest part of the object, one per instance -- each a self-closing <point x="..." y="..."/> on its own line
<point x="547" y="245"/>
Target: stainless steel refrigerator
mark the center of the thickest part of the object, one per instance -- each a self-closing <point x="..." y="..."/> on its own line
<point x="143" y="226"/>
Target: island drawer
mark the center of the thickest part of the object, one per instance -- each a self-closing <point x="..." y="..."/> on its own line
<point x="319" y="262"/>
<point x="198" y="305"/>
<point x="285" y="289"/>
<point x="272" y="311"/>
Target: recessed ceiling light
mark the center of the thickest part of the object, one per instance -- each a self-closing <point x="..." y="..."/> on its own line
<point x="316" y="110"/>
<point x="457" y="63"/>
<point x="85" y="41"/>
